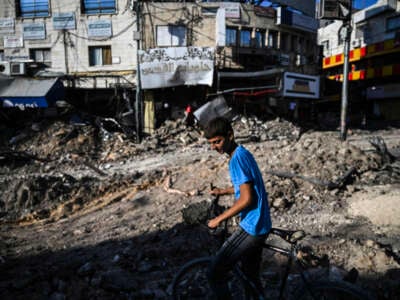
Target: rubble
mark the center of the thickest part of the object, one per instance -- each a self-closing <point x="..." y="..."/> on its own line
<point x="86" y="212"/>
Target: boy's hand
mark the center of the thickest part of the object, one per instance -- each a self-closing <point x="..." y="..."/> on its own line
<point x="213" y="223"/>
<point x="215" y="191"/>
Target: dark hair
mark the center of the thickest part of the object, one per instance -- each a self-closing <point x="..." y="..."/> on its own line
<point x="218" y="126"/>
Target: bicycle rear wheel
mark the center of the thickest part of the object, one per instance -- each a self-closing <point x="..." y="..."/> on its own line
<point x="191" y="282"/>
<point x="331" y="290"/>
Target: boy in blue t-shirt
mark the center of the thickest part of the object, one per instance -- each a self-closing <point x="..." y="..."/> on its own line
<point x="251" y="203"/>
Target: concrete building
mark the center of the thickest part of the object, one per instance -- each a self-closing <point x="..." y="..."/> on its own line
<point x="77" y="38"/>
<point x="95" y="44"/>
<point x="374" y="59"/>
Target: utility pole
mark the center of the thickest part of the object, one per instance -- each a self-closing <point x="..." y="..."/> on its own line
<point x="138" y="90"/>
<point x="346" y="35"/>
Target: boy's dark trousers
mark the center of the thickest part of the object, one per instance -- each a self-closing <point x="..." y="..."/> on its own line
<point x="240" y="246"/>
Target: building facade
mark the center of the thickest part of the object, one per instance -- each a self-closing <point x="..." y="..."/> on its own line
<point x="374" y="58"/>
<point x="78" y="38"/>
<point x="95" y="43"/>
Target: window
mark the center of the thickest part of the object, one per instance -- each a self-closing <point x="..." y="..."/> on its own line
<point x="1" y="55"/>
<point x="325" y="47"/>
<point x="231" y="36"/>
<point x="41" y="55"/>
<point x="91" y="7"/>
<point x="171" y="35"/>
<point x="32" y="8"/>
<point x="245" y="37"/>
<point x="100" y="55"/>
<point x="340" y="38"/>
<point x="260" y="39"/>
<point x="272" y="38"/>
<point x="300" y="45"/>
<point x="293" y="43"/>
<point x="393" y="23"/>
<point x="284" y="42"/>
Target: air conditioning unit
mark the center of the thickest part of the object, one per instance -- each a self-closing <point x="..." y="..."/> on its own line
<point x="5" y="67"/>
<point x="356" y="43"/>
<point x="17" y="68"/>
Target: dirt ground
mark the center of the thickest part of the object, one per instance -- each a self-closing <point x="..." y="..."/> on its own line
<point x="86" y="213"/>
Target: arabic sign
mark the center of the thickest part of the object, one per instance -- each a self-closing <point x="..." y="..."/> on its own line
<point x="232" y="9"/>
<point x="63" y="21"/>
<point x="13" y="42"/>
<point x="300" y="85"/>
<point x="167" y="67"/>
<point x="34" y="31"/>
<point x="7" y="25"/>
<point x="99" y="28"/>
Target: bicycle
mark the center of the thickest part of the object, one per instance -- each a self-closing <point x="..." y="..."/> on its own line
<point x="191" y="280"/>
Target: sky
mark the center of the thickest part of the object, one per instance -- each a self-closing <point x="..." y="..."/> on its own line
<point x="363" y="3"/>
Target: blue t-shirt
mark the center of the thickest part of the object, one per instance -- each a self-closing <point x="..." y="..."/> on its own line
<point x="255" y="219"/>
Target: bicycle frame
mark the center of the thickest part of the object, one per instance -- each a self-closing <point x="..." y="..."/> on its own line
<point x="291" y="254"/>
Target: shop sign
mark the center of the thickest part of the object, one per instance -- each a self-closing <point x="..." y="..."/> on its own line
<point x="300" y="85"/>
<point x="64" y="21"/>
<point x="13" y="42"/>
<point x="99" y="28"/>
<point x="232" y="9"/>
<point x="34" y="31"/>
<point x="167" y="67"/>
<point x="7" y="25"/>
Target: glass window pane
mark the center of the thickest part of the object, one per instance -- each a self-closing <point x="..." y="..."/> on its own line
<point x="230" y="37"/>
<point x="34" y="8"/>
<point x="245" y="37"/>
<point x="163" y="36"/>
<point x="178" y="36"/>
<point x="107" y="55"/>
<point x="99" y="6"/>
<point x="95" y="56"/>
<point x="260" y="39"/>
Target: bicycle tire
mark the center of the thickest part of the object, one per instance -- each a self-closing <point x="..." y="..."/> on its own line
<point x="191" y="283"/>
<point x="331" y="290"/>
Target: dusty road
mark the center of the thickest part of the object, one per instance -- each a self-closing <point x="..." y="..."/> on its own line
<point x="102" y="219"/>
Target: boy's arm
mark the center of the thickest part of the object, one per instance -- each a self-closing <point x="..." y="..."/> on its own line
<point x="246" y="198"/>
<point x="219" y="192"/>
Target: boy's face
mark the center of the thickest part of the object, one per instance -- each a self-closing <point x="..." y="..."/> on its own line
<point x="221" y="144"/>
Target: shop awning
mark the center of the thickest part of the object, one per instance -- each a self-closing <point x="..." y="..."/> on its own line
<point x="29" y="92"/>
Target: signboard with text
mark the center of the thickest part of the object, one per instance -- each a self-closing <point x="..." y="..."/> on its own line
<point x="34" y="31"/>
<point x="300" y="85"/>
<point x="7" y="25"/>
<point x="167" y="67"/>
<point x="13" y="42"/>
<point x="99" y="28"/>
<point x="64" y="21"/>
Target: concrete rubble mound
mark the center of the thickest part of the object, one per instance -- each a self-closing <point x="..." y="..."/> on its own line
<point x="86" y="212"/>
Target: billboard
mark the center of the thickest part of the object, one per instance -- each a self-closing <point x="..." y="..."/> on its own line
<point x="174" y="66"/>
<point x="305" y="6"/>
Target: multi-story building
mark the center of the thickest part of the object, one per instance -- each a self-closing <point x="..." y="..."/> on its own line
<point x="95" y="43"/>
<point x="374" y="64"/>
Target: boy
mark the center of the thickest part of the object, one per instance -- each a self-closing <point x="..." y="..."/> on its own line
<point x="251" y="203"/>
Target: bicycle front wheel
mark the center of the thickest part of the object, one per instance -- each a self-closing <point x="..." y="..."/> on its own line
<point x="331" y="290"/>
<point x="191" y="282"/>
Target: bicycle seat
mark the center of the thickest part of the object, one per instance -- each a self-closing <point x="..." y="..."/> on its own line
<point x="290" y="236"/>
